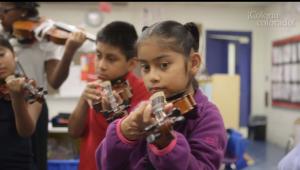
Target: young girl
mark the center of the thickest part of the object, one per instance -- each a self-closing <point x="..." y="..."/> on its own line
<point x="43" y="61"/>
<point x="116" y="57"/>
<point x="169" y="60"/>
<point x="18" y="118"/>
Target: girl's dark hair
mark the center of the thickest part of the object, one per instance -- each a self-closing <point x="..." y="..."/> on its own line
<point x="5" y="43"/>
<point x="178" y="37"/>
<point x="120" y="34"/>
<point x="30" y="7"/>
<point x="181" y="38"/>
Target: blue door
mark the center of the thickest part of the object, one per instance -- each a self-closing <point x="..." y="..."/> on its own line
<point x="217" y="59"/>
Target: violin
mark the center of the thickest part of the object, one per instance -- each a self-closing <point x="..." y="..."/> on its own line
<point x="164" y="122"/>
<point x="56" y="32"/>
<point x="32" y="92"/>
<point x="121" y="86"/>
<point x="183" y="102"/>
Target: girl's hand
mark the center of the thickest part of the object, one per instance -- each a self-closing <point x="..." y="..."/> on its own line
<point x="132" y="127"/>
<point x="15" y="84"/>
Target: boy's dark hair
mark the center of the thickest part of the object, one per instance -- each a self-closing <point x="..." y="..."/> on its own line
<point x="5" y="43"/>
<point x="120" y="34"/>
<point x="178" y="37"/>
<point x="30" y="7"/>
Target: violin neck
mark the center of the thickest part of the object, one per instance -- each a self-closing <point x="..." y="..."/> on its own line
<point x="71" y="28"/>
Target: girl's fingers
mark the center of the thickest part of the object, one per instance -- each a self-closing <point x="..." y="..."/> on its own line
<point x="15" y="84"/>
<point x="147" y="116"/>
<point x="168" y="107"/>
<point x="137" y="113"/>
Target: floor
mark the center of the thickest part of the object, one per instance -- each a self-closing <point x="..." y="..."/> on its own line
<point x="265" y="155"/>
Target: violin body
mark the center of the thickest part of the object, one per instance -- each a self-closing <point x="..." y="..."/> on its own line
<point x="24" y="29"/>
<point x="185" y="103"/>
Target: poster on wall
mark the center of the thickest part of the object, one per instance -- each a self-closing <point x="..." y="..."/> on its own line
<point x="285" y="84"/>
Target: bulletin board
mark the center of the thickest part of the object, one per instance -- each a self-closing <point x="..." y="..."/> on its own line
<point x="285" y="79"/>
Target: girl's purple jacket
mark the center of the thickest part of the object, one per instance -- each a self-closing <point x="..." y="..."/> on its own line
<point x="199" y="144"/>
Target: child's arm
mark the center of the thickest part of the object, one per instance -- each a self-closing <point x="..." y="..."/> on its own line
<point x="58" y="71"/>
<point x="202" y="149"/>
<point x="78" y="118"/>
<point x="26" y="115"/>
<point x="121" y="138"/>
<point x="114" y="150"/>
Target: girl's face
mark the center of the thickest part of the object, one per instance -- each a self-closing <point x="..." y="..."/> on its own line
<point x="111" y="63"/>
<point x="163" y="69"/>
<point x="7" y="62"/>
<point x="9" y="14"/>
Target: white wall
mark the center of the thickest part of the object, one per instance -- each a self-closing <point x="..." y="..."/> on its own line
<point x="212" y="17"/>
<point x="280" y="121"/>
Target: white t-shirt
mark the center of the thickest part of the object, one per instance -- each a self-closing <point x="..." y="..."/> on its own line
<point x="32" y="57"/>
<point x="291" y="161"/>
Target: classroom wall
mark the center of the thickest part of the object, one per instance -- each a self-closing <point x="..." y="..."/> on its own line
<point x="211" y="16"/>
<point x="280" y="120"/>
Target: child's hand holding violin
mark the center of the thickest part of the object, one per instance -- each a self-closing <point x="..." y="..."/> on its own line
<point x="132" y="127"/>
<point x="15" y="84"/>
<point x="94" y="93"/>
<point x="75" y="40"/>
